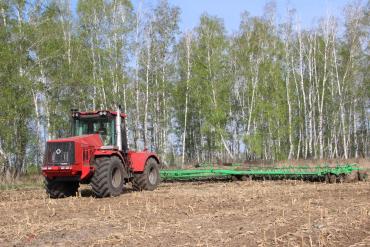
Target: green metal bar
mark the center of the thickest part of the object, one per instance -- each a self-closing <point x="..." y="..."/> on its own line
<point x="286" y="171"/>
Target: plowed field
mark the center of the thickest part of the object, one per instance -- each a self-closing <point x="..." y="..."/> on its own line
<point x="250" y="213"/>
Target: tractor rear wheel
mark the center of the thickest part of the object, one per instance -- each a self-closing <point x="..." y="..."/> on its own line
<point x="149" y="178"/>
<point x="108" y="178"/>
<point x="60" y="189"/>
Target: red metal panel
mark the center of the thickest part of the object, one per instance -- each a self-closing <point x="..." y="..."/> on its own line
<point x="138" y="159"/>
<point x="108" y="152"/>
<point x="90" y="142"/>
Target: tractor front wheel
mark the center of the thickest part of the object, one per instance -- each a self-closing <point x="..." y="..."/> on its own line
<point x="60" y="189"/>
<point x="149" y="178"/>
<point x="108" y="178"/>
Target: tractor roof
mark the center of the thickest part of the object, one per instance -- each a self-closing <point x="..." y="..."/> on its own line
<point x="97" y="113"/>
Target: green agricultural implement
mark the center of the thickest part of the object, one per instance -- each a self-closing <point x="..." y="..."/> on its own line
<point x="327" y="173"/>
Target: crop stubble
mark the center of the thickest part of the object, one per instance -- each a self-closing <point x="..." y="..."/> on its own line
<point x="251" y="213"/>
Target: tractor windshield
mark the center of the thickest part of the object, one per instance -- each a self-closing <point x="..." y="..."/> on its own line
<point x="104" y="126"/>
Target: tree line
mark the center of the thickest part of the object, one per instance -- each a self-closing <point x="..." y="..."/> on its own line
<point x="270" y="90"/>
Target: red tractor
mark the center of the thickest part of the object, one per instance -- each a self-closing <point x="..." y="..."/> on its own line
<point x="97" y="154"/>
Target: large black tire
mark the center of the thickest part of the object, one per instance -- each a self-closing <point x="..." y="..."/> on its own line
<point x="60" y="189"/>
<point x="108" y="179"/>
<point x="149" y="179"/>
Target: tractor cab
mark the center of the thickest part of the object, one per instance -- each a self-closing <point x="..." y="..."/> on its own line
<point x="103" y="123"/>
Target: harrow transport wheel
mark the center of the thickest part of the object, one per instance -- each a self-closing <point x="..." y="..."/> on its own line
<point x="363" y="176"/>
<point x="149" y="178"/>
<point x="60" y="189"/>
<point x="330" y="178"/>
<point x="236" y="178"/>
<point x="246" y="178"/>
<point x="342" y="178"/>
<point x="108" y="178"/>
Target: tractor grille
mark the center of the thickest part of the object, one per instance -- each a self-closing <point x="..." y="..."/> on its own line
<point x="60" y="153"/>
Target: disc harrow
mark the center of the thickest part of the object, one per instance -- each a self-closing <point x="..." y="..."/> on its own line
<point x="238" y="172"/>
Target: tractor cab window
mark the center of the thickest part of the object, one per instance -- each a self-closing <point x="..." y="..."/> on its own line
<point x="103" y="126"/>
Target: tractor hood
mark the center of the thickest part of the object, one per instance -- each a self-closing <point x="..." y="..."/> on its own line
<point x="88" y="140"/>
<point x="68" y="151"/>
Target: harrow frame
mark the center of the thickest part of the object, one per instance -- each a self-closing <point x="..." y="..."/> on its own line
<point x="276" y="172"/>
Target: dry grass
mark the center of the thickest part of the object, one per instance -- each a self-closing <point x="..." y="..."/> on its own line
<point x="23" y="182"/>
<point x="257" y="213"/>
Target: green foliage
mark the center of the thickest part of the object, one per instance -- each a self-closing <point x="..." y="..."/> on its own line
<point x="268" y="91"/>
<point x="33" y="170"/>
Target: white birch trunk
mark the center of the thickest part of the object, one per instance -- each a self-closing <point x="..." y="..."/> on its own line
<point x="287" y="82"/>
<point x="147" y="89"/>
<point x="137" y="88"/>
<point x="303" y="91"/>
<point x="188" y="40"/>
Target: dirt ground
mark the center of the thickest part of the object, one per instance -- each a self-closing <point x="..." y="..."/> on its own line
<point x="250" y="213"/>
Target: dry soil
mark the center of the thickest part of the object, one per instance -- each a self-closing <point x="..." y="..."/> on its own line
<point x="250" y="213"/>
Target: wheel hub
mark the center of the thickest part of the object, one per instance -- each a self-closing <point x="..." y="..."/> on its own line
<point x="116" y="177"/>
<point x="153" y="176"/>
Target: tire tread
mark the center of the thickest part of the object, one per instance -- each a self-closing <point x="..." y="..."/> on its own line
<point x="60" y="189"/>
<point x="100" y="180"/>
<point x="141" y="181"/>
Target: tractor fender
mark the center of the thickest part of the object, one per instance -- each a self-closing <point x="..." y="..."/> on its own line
<point x="138" y="159"/>
<point x="110" y="153"/>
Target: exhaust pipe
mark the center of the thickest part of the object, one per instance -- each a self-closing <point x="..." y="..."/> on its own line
<point x="118" y="128"/>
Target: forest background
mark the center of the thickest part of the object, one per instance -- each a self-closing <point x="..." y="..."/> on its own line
<point x="271" y="90"/>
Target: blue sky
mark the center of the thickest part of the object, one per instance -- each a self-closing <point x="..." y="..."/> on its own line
<point x="309" y="11"/>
